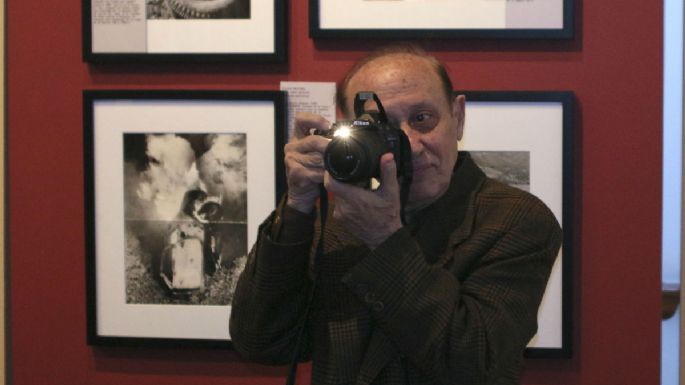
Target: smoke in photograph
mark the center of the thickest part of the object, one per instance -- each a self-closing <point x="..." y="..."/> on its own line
<point x="185" y="217"/>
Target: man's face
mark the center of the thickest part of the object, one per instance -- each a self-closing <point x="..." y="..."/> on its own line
<point x="412" y="95"/>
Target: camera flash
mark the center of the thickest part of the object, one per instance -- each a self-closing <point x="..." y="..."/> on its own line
<point x="343" y="132"/>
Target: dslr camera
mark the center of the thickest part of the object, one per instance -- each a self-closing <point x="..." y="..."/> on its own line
<point x="353" y="155"/>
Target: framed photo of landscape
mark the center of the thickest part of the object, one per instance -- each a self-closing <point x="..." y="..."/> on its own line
<point x="525" y="139"/>
<point x="407" y="19"/>
<point x="176" y="184"/>
<point x="184" y="30"/>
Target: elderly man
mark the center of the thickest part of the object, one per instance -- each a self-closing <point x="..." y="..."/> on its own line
<point x="450" y="297"/>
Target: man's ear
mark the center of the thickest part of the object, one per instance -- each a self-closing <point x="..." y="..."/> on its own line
<point x="458" y="105"/>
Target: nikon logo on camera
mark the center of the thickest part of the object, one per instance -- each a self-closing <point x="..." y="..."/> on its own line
<point x="361" y="123"/>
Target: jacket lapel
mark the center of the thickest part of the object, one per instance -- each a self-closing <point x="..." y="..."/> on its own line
<point x="379" y="352"/>
<point x="453" y="212"/>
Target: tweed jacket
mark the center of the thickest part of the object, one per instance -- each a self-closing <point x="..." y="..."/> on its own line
<point x="451" y="298"/>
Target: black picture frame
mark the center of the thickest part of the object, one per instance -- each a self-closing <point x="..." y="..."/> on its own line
<point x="155" y="41"/>
<point x="539" y="123"/>
<point x="146" y="154"/>
<point x="350" y="26"/>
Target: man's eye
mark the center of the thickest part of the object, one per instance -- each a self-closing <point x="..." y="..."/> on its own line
<point x="423" y="121"/>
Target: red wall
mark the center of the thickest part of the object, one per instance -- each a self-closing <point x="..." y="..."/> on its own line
<point x="613" y="65"/>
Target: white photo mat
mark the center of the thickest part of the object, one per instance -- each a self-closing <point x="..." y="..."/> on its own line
<point x="536" y="128"/>
<point x="441" y="18"/>
<point x="112" y="119"/>
<point x="215" y="36"/>
<point x="136" y="36"/>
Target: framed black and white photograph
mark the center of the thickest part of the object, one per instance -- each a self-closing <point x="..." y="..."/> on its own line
<point x="525" y="139"/>
<point x="405" y="19"/>
<point x="176" y="183"/>
<point x="184" y="30"/>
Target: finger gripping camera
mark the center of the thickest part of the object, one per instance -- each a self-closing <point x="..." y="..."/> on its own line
<point x="353" y="155"/>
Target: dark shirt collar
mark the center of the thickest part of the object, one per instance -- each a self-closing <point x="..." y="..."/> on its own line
<point x="466" y="178"/>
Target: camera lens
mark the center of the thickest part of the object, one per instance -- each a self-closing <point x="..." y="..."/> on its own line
<point x="343" y="158"/>
<point x="344" y="162"/>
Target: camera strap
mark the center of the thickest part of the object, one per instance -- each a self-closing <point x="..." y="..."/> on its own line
<point x="407" y="175"/>
<point x="323" y="213"/>
<point x="404" y="194"/>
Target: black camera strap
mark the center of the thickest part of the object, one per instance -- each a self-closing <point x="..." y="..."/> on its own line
<point x="323" y="213"/>
<point x="407" y="174"/>
<point x="404" y="194"/>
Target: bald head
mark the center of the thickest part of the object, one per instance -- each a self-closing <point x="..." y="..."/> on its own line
<point x="398" y="53"/>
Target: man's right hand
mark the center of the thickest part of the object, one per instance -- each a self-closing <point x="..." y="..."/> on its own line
<point x="304" y="161"/>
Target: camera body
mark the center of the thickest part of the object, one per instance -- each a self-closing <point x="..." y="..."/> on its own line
<point x="353" y="155"/>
